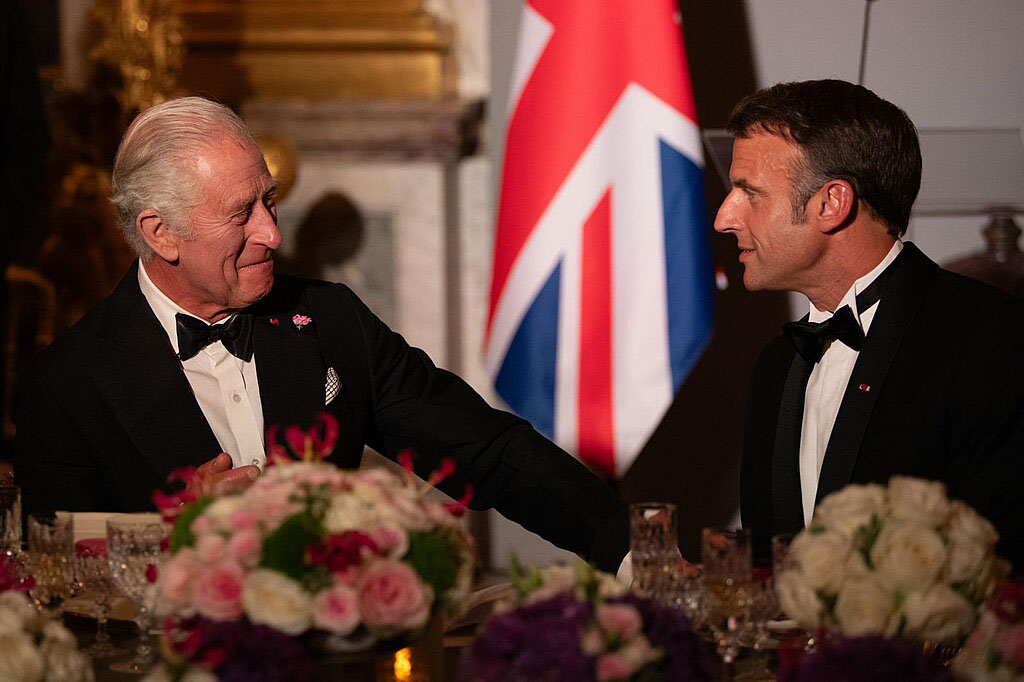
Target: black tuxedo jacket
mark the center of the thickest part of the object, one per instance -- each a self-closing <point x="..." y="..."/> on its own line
<point x="106" y="413"/>
<point x="937" y="392"/>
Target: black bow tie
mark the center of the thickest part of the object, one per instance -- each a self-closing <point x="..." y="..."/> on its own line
<point x="195" y="335"/>
<point x="811" y="338"/>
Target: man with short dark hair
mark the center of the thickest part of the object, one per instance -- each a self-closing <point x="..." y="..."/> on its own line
<point x="899" y="367"/>
<point x="201" y="347"/>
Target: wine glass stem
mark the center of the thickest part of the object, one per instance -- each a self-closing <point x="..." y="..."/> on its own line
<point x="102" y="635"/>
<point x="143" y="652"/>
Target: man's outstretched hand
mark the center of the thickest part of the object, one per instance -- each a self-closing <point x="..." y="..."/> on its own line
<point x="216" y="477"/>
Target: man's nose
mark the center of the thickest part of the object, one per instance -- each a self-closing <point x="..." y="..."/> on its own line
<point x="265" y="228"/>
<point x="725" y="219"/>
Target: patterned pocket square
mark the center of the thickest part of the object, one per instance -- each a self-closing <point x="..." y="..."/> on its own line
<point x="332" y="387"/>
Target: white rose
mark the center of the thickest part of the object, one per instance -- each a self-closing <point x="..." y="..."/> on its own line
<point x="347" y="513"/>
<point x="918" y="500"/>
<point x="16" y="612"/>
<point x="65" y="663"/>
<point x="20" y="661"/>
<point x="221" y="509"/>
<point x="966" y="559"/>
<point x="938" y="614"/>
<point x="850" y="508"/>
<point x="856" y="566"/>
<point x="965" y="524"/>
<point x="274" y="599"/>
<point x="821" y="557"/>
<point x="798" y="599"/>
<point x="908" y="556"/>
<point x="865" y="607"/>
<point x="53" y="630"/>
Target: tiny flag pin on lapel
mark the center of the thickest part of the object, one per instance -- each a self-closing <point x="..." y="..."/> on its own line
<point x="864" y="387"/>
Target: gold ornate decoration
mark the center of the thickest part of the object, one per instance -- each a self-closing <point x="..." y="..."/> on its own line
<point x="281" y="162"/>
<point x="143" y="38"/>
<point x="317" y="50"/>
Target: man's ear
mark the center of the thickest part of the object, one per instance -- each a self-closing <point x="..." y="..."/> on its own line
<point x="158" y="235"/>
<point x="833" y="206"/>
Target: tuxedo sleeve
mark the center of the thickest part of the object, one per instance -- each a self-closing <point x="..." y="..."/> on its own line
<point x="52" y="464"/>
<point x="511" y="467"/>
<point x="986" y="424"/>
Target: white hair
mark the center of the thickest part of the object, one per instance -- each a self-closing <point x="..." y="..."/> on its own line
<point x="155" y="166"/>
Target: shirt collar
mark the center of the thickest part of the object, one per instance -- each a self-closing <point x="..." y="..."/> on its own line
<point x="164" y="308"/>
<point x="862" y="283"/>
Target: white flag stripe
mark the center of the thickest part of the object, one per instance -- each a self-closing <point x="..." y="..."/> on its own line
<point x="567" y="363"/>
<point x="534" y="33"/>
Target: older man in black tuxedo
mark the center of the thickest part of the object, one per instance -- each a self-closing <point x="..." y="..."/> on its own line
<point x="899" y="367"/>
<point x="200" y="347"/>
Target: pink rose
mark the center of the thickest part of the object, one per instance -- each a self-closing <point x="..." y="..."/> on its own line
<point x="610" y="667"/>
<point x="391" y="596"/>
<point x="202" y="525"/>
<point x="242" y="520"/>
<point x="245" y="546"/>
<point x="210" y="547"/>
<point x="176" y="577"/>
<point x="1011" y="643"/>
<point x="336" y="609"/>
<point x="391" y="540"/>
<point x="619" y="618"/>
<point x="218" y="591"/>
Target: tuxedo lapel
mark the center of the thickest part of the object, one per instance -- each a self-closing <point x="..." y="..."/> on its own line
<point x="290" y="368"/>
<point x="898" y="305"/>
<point x="145" y="386"/>
<point x="786" y="491"/>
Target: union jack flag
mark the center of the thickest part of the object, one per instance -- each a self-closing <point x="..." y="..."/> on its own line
<point x="601" y="293"/>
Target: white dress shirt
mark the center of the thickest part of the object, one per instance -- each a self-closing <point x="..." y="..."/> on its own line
<point x="225" y="387"/>
<point x="827" y="384"/>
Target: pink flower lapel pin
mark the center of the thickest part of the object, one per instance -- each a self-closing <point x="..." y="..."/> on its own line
<point x="301" y="321"/>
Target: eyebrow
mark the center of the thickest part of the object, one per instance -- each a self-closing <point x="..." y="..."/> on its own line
<point x="743" y="184"/>
<point x="243" y="204"/>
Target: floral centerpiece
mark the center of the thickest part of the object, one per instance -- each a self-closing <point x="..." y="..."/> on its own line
<point x="864" y="659"/>
<point x="896" y="560"/>
<point x="308" y="550"/>
<point x="579" y="624"/>
<point x="995" y="650"/>
<point x="34" y="648"/>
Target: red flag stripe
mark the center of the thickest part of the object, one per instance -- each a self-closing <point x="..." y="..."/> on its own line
<point x="596" y="425"/>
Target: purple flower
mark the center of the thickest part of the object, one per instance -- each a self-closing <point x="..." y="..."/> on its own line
<point x="537" y="642"/>
<point x="668" y="629"/>
<point x="864" y="659"/>
<point x="253" y="653"/>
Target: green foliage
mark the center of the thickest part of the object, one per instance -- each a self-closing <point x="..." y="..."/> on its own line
<point x="828" y="604"/>
<point x="865" y="536"/>
<point x="316" y="499"/>
<point x="435" y="558"/>
<point x="284" y="550"/>
<point x="524" y="580"/>
<point x="182" y="535"/>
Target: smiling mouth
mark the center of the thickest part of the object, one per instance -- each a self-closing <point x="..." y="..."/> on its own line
<point x="264" y="262"/>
